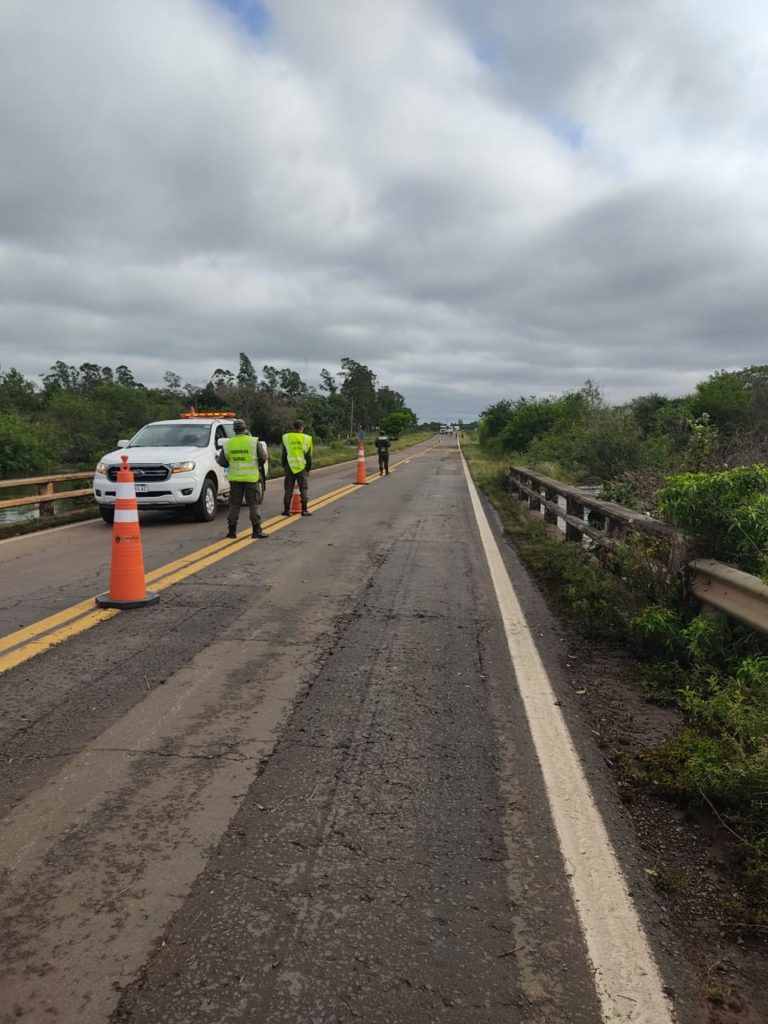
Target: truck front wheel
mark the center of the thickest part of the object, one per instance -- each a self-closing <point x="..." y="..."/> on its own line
<point x="204" y="509"/>
<point x="107" y="513"/>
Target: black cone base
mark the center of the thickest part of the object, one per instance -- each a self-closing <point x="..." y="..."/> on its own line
<point x="105" y="601"/>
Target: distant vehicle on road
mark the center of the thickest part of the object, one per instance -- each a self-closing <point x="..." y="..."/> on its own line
<point x="174" y="466"/>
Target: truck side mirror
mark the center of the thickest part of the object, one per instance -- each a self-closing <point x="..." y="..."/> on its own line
<point x="124" y="443"/>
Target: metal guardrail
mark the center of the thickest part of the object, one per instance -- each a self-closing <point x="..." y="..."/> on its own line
<point x="46" y="495"/>
<point x="736" y="593"/>
<point x="730" y="591"/>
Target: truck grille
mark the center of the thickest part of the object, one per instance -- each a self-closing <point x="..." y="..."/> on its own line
<point x="142" y="474"/>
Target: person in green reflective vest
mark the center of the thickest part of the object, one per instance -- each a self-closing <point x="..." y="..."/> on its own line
<point x="297" y="462"/>
<point x="245" y="457"/>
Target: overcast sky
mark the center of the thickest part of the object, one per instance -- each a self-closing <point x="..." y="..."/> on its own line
<point x="477" y="200"/>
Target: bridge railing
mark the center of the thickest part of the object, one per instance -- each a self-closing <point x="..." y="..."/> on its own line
<point x="46" y="492"/>
<point x="579" y="515"/>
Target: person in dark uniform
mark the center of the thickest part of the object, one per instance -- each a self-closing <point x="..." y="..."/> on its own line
<point x="382" y="447"/>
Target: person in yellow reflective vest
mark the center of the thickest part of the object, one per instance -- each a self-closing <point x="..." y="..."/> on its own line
<point x="245" y="457"/>
<point x="297" y="462"/>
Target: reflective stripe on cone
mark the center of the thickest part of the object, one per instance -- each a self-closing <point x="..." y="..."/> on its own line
<point x="360" y="478"/>
<point x="127" y="588"/>
<point x="295" y="500"/>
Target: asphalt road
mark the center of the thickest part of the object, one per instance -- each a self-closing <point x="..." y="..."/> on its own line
<point x="302" y="787"/>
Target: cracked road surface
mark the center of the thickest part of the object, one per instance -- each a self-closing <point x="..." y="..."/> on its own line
<point x="299" y="789"/>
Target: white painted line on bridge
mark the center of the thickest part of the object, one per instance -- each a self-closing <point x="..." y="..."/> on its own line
<point x="49" y="530"/>
<point x="627" y="979"/>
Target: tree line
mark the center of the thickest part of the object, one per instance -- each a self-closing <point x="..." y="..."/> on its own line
<point x="77" y="413"/>
<point x="630" y="448"/>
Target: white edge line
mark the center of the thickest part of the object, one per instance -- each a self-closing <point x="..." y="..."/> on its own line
<point x="626" y="977"/>
<point x="50" y="530"/>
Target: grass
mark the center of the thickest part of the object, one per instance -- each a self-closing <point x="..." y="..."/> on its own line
<point x="491" y="474"/>
<point x="340" y="451"/>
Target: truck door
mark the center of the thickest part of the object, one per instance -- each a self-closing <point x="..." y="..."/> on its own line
<point x="222" y="432"/>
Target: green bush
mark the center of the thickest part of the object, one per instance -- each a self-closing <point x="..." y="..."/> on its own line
<point x="726" y="514"/>
<point x="579" y="589"/>
<point x="396" y="423"/>
<point x="717" y="673"/>
<point x="735" y="707"/>
<point x="22" y="449"/>
<point x="658" y="633"/>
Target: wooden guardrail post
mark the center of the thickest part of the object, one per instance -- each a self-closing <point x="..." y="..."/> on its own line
<point x="46" y="489"/>
<point x="679" y="553"/>
<point x="576" y="509"/>
<point x="616" y="528"/>
<point x="550" y="516"/>
<point x="533" y="502"/>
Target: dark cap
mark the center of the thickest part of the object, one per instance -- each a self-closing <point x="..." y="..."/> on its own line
<point x="239" y="426"/>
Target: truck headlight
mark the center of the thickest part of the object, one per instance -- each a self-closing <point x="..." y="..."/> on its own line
<point x="182" y="467"/>
<point x="101" y="469"/>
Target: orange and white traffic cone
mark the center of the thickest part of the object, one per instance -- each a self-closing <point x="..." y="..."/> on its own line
<point x="295" y="500"/>
<point x="360" y="478"/>
<point x="127" y="588"/>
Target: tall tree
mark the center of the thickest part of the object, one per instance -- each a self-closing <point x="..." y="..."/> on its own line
<point x="90" y="376"/>
<point x="725" y="398"/>
<point x="222" y="379"/>
<point x="61" y="377"/>
<point x="124" y="376"/>
<point x="17" y="394"/>
<point x="291" y="384"/>
<point x="246" y="375"/>
<point x="389" y="401"/>
<point x="270" y="381"/>
<point x="173" y="383"/>
<point x="327" y="383"/>
<point x="359" y="388"/>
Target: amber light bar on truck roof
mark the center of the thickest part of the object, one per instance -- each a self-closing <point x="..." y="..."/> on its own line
<point x="207" y="415"/>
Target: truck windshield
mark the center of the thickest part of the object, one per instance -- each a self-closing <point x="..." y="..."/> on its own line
<point x="172" y="435"/>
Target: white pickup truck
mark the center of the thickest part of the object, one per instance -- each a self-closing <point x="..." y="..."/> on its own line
<point x="173" y="464"/>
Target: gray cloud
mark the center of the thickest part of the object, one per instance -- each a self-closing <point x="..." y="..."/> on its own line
<point x="477" y="202"/>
